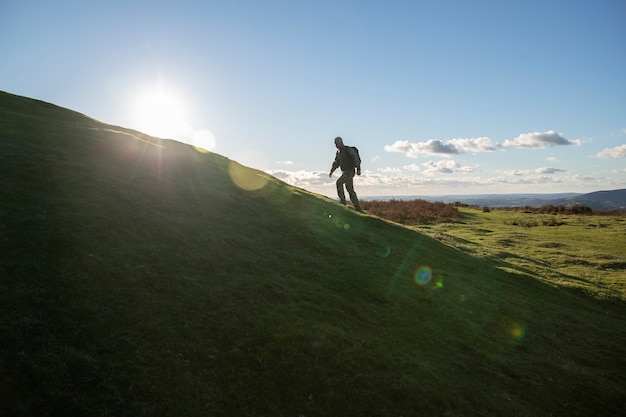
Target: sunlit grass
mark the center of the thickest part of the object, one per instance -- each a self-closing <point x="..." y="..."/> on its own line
<point x="583" y="252"/>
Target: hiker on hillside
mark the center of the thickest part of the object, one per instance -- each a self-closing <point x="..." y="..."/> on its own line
<point x="347" y="158"/>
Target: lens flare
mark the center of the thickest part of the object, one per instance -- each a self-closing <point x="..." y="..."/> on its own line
<point x="246" y="178"/>
<point x="384" y="250"/>
<point x="518" y="332"/>
<point x="423" y="275"/>
<point x="339" y="222"/>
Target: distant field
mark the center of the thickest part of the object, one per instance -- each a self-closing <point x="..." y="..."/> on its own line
<point x="581" y="252"/>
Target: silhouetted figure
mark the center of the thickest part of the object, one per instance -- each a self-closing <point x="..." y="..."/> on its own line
<point x="348" y="159"/>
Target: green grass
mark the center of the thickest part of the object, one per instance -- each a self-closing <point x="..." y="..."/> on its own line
<point x="585" y="253"/>
<point x="142" y="277"/>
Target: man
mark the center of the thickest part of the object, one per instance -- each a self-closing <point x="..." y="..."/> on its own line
<point x="347" y="158"/>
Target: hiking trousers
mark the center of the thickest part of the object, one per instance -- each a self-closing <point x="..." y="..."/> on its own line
<point x="347" y="179"/>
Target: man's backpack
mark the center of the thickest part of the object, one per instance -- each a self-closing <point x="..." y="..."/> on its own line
<point x="355" y="156"/>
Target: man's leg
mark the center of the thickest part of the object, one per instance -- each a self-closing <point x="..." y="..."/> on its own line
<point x="352" y="193"/>
<point x="340" y="182"/>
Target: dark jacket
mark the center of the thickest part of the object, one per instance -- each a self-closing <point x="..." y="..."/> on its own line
<point x="347" y="159"/>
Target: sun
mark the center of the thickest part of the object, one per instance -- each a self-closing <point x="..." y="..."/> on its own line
<point x="162" y="113"/>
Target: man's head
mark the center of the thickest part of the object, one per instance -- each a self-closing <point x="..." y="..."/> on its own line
<point x="338" y="142"/>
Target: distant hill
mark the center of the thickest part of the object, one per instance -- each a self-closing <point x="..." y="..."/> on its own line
<point x="505" y="200"/>
<point x="598" y="200"/>
<point x="142" y="277"/>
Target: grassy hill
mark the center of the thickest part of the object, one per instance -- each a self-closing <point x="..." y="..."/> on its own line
<point x="602" y="200"/>
<point x="139" y="276"/>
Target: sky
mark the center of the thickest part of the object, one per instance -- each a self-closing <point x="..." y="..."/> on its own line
<point x="441" y="97"/>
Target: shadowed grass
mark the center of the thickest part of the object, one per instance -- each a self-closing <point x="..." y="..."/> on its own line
<point x="141" y="277"/>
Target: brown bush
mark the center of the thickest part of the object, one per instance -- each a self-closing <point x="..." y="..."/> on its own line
<point x="412" y="212"/>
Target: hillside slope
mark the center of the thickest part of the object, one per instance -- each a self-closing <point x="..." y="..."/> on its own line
<point x="140" y="276"/>
<point x="604" y="200"/>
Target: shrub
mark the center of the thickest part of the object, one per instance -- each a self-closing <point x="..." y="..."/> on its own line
<point x="412" y="212"/>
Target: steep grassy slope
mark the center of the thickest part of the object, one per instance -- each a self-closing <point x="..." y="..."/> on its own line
<point x="142" y="277"/>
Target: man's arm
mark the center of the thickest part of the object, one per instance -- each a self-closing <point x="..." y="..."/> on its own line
<point x="335" y="165"/>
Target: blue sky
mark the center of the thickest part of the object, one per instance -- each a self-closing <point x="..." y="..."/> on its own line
<point x="441" y="97"/>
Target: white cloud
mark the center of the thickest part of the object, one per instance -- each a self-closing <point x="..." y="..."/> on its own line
<point x="466" y="169"/>
<point x="539" y="140"/>
<point x="401" y="146"/>
<point x="445" y="167"/>
<point x="533" y="172"/>
<point x="412" y="167"/>
<point x="300" y="178"/>
<point x="389" y="170"/>
<point x="413" y="183"/>
<point x="441" y="148"/>
<point x="616" y="152"/>
<point x="431" y="147"/>
<point x="284" y="162"/>
<point x="376" y="158"/>
<point x="547" y="170"/>
<point x="475" y="145"/>
<point x="552" y="159"/>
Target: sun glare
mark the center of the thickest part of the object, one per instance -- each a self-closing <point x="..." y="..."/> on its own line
<point x="203" y="140"/>
<point x="162" y="113"/>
